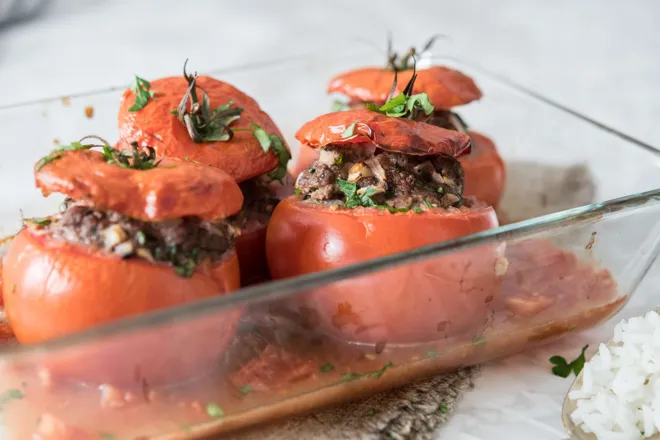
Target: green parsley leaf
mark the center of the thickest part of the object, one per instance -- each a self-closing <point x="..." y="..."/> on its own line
<point x="245" y="389"/>
<point x="350" y="131"/>
<point x="298" y="191"/>
<point x="214" y="410"/>
<point x="264" y="140"/>
<point x="327" y="368"/>
<point x="43" y="221"/>
<point x="347" y="377"/>
<point x="283" y="157"/>
<point x="187" y="269"/>
<point x="563" y="369"/>
<point x="339" y="106"/>
<point x="393" y="104"/>
<point x="9" y="395"/>
<point x="382" y="371"/>
<point x="142" y="93"/>
<point x="443" y="407"/>
<point x="421" y="100"/>
<point x="348" y="188"/>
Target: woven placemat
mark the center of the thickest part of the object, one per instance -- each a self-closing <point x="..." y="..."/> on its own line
<point x="415" y="411"/>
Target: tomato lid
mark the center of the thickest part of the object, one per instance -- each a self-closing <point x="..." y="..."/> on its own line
<point x="398" y="135"/>
<point x="172" y="189"/>
<point x="445" y="87"/>
<point x="242" y="157"/>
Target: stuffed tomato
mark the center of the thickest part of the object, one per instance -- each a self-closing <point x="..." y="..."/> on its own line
<point x="380" y="186"/>
<point x="205" y="120"/>
<point x="446" y="88"/>
<point x="135" y="235"/>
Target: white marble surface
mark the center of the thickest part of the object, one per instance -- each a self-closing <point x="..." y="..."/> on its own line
<point x="599" y="57"/>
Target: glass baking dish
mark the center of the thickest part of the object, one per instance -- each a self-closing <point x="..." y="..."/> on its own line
<point x="292" y="346"/>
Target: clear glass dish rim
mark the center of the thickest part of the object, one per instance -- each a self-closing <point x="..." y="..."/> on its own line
<point x="279" y="289"/>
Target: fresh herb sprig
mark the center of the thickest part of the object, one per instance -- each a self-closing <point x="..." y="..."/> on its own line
<point x="563" y="369"/>
<point x="405" y="104"/>
<point x="143" y="93"/>
<point x="9" y="395"/>
<point x="202" y="123"/>
<point x="365" y="199"/>
<point x="398" y="63"/>
<point x="134" y="159"/>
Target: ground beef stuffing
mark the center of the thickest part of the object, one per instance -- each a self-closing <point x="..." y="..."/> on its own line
<point x="352" y="176"/>
<point x="258" y="205"/>
<point x="181" y="243"/>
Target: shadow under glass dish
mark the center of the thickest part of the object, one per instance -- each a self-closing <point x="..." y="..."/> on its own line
<point x="295" y="347"/>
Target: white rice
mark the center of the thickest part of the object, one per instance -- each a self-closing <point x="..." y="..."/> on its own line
<point x="619" y="398"/>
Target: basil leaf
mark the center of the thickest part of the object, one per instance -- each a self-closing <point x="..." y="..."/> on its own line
<point x="214" y="410"/>
<point x="421" y="100"/>
<point x="348" y="188"/>
<point x="373" y="107"/>
<point x="264" y="140"/>
<point x="350" y="130"/>
<point x="327" y="368"/>
<point x="140" y="88"/>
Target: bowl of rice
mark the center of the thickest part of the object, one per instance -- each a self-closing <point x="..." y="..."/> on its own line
<point x="617" y="394"/>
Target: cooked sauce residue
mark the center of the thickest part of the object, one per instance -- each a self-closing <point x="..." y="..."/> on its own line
<point x="278" y="365"/>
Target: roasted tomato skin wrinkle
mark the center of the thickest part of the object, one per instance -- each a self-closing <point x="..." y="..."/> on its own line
<point x="445" y="87"/>
<point x="242" y="157"/>
<point x="62" y="288"/>
<point x="396" y="135"/>
<point x="448" y="296"/>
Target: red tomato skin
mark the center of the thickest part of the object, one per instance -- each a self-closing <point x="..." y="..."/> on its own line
<point x="446" y="296"/>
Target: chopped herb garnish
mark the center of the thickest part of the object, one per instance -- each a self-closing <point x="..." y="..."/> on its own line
<point x="298" y="191"/>
<point x="106" y="436"/>
<point x="141" y="88"/>
<point x="347" y="377"/>
<point x="382" y="371"/>
<point x="418" y="210"/>
<point x="245" y="389"/>
<point x="350" y="131"/>
<point x="405" y="104"/>
<point x="311" y="170"/>
<point x="133" y="159"/>
<point x="202" y="123"/>
<point x="339" y="106"/>
<point x="396" y="63"/>
<point x="441" y="190"/>
<point x="563" y="369"/>
<point x="478" y="340"/>
<point x="340" y="159"/>
<point x="10" y="395"/>
<point x="443" y="407"/>
<point x="431" y="353"/>
<point x="43" y="221"/>
<point x="187" y="269"/>
<point x="327" y="368"/>
<point x="214" y="410"/>
<point x="348" y="188"/>
<point x="56" y="153"/>
<point x="371" y="412"/>
<point x="185" y="158"/>
<point x="141" y="238"/>
<point x="275" y="143"/>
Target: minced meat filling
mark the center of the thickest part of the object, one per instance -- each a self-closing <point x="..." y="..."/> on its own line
<point x="258" y="204"/>
<point x="180" y="242"/>
<point x="352" y="176"/>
